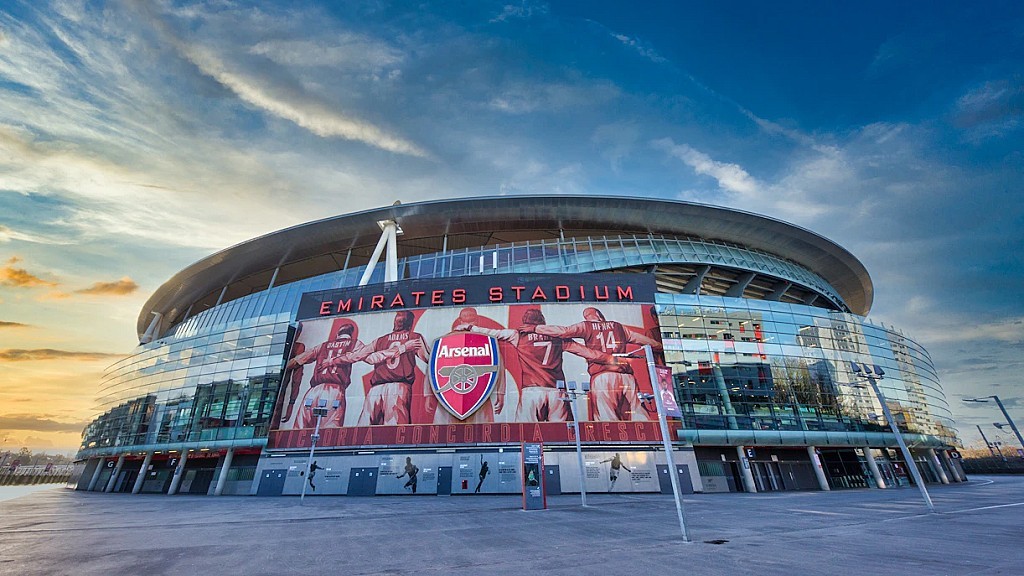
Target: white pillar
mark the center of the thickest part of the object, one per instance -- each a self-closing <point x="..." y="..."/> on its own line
<point x="141" y="478"/>
<point x="748" y="475"/>
<point x="391" y="259"/>
<point x="223" y="477"/>
<point x="938" y="466"/>
<point x="115" y="473"/>
<point x="96" y="475"/>
<point x="873" y="466"/>
<point x="819" y="472"/>
<point x="179" y="471"/>
<point x="952" y="467"/>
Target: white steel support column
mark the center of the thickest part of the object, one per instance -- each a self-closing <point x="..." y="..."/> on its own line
<point x="873" y="466"/>
<point x="115" y="473"/>
<point x="391" y="262"/>
<point x="745" y="471"/>
<point x="223" y="477"/>
<point x="952" y="467"/>
<point x="938" y="466"/>
<point x="96" y="475"/>
<point x="179" y="471"/>
<point x="141" y="478"/>
<point x="389" y="240"/>
<point x="819" y="472"/>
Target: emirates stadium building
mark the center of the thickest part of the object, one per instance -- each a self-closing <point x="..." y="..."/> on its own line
<point x="417" y="348"/>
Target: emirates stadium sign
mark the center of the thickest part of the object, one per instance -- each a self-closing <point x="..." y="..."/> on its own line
<point x="463" y="371"/>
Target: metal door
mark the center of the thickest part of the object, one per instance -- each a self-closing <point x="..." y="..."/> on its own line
<point x="444" y="480"/>
<point x="552" y="480"/>
<point x="272" y="482"/>
<point x="682" y="473"/>
<point x="362" y="482"/>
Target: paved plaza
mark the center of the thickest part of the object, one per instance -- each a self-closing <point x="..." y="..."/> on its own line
<point x="978" y="530"/>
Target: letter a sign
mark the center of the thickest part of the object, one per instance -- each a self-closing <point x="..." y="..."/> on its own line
<point x="463" y="370"/>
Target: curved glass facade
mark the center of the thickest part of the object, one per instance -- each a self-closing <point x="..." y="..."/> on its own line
<point x="755" y="366"/>
<point x="776" y="373"/>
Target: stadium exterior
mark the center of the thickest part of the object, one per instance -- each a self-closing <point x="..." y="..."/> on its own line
<point x="758" y="320"/>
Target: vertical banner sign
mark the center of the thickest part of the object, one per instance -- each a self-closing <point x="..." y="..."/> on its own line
<point x="534" y="496"/>
<point x="665" y="388"/>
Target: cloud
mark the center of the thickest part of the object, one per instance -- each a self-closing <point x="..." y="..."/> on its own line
<point x="991" y="109"/>
<point x="730" y="177"/>
<point x="21" y="278"/>
<point x="7" y="234"/>
<point x="642" y="49"/>
<point x="17" y="355"/>
<point x="5" y="324"/>
<point x="285" y="102"/>
<point x="35" y="423"/>
<point x="523" y="10"/>
<point x="121" y="287"/>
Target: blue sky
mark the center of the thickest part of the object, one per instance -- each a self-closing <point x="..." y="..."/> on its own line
<point x="136" y="138"/>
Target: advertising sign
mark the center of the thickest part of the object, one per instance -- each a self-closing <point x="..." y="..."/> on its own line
<point x="534" y="496"/>
<point x="483" y="374"/>
<point x="666" y="389"/>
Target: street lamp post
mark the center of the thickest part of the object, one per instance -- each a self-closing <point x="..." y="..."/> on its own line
<point x="319" y="411"/>
<point x="673" y="474"/>
<point x="866" y="372"/>
<point x="571" y="392"/>
<point x="1005" y="414"/>
<point x="987" y="443"/>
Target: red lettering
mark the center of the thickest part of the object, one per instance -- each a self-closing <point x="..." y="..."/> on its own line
<point x="398" y="301"/>
<point x="588" y="433"/>
<point x="458" y="296"/>
<point x="486" y="436"/>
<point x="325" y="308"/>
<point x="583" y="295"/>
<point x="519" y="292"/>
<point x="571" y="433"/>
<point x="416" y="297"/>
<point x="435" y="431"/>
<point x="400" y="435"/>
<point x="467" y="433"/>
<point x="417" y="434"/>
<point x="368" y="439"/>
<point x="360" y="303"/>
<point x="342" y="434"/>
<point x="538" y="294"/>
<point x="376" y="301"/>
<point x="623" y="435"/>
<point x="606" y="431"/>
<point x="598" y="295"/>
<point x="451" y="434"/>
<point x="624" y="293"/>
<point x="561" y="292"/>
<point x="496" y="294"/>
<point x="437" y="297"/>
<point x="506" y="432"/>
<point x="345" y="306"/>
<point x="641" y="433"/>
<point x="537" y="436"/>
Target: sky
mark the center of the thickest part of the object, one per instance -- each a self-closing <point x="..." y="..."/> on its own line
<point x="139" y="137"/>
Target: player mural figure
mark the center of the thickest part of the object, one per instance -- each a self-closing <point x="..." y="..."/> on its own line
<point x="613" y="389"/>
<point x="540" y="363"/>
<point x="393" y="357"/>
<point x="312" y="472"/>
<point x="411" y="470"/>
<point x="294" y="380"/>
<point x="332" y="374"/>
<point x="614" y="469"/>
<point x="484" y="470"/>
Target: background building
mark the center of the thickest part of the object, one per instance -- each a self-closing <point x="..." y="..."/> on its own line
<point x="758" y="320"/>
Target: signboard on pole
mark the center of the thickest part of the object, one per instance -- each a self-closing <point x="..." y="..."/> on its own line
<point x="667" y="391"/>
<point x="534" y="496"/>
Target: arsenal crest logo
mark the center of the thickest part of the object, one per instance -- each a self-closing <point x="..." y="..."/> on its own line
<point x="463" y="371"/>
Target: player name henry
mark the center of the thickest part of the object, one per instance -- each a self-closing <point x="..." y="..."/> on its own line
<point x="463" y="351"/>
